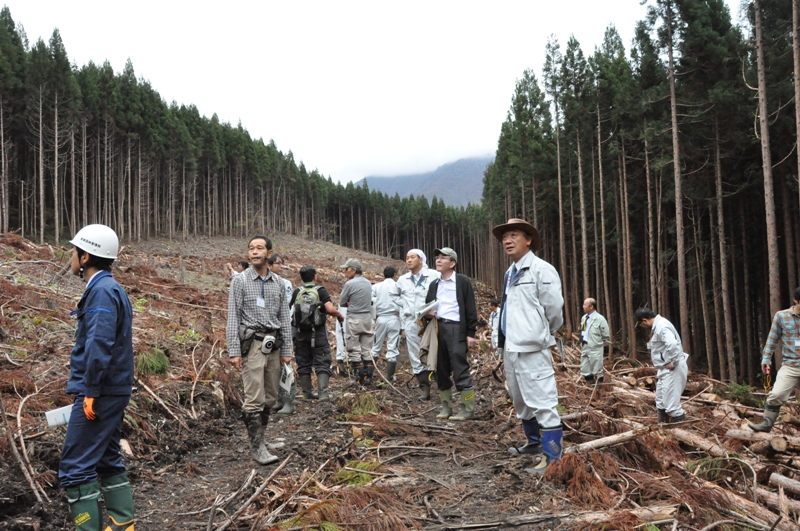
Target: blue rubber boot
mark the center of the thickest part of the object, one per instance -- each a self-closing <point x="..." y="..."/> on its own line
<point x="551" y="448"/>
<point x="533" y="446"/>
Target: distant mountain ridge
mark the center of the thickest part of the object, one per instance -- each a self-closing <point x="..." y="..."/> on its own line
<point x="456" y="183"/>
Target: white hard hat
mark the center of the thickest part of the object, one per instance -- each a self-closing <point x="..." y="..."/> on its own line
<point x="97" y="240"/>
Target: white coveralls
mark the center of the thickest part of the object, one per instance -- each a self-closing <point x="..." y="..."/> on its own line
<point x="341" y="329"/>
<point x="494" y="324"/>
<point x="386" y="301"/>
<point x="413" y="290"/>
<point x="594" y="332"/>
<point x="665" y="347"/>
<point x="530" y="315"/>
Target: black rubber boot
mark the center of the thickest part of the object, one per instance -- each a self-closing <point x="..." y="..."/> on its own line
<point x="323" y="379"/>
<point x="391" y="367"/>
<point x="118" y="496"/>
<point x="678" y="418"/>
<point x="355" y="373"/>
<point x="424" y="379"/>
<point x="589" y="379"/>
<point x="305" y="385"/>
<point x="662" y="416"/>
<point x="368" y="371"/>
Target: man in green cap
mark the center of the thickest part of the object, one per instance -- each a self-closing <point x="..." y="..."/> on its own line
<point x="457" y="318"/>
<point x="357" y="297"/>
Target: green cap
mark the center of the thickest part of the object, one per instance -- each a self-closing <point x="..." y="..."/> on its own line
<point x="352" y="262"/>
<point x="446" y="251"/>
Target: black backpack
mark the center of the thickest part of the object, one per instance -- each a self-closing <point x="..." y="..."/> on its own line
<point x="308" y="313"/>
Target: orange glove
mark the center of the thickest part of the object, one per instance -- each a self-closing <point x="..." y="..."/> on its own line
<point x="88" y="408"/>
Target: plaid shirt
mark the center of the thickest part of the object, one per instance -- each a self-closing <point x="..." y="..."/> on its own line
<point x="243" y="309"/>
<point x="786" y="330"/>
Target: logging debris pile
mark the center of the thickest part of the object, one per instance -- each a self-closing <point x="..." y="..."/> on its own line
<point x="373" y="459"/>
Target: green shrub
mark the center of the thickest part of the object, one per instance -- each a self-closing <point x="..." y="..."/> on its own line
<point x="154" y="361"/>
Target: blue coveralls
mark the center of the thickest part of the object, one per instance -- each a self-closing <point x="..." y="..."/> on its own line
<point x="101" y="367"/>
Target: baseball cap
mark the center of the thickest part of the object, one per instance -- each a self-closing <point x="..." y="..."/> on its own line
<point x="352" y="262"/>
<point x="446" y="251"/>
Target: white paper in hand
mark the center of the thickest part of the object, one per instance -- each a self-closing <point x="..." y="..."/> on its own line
<point x="287" y="377"/>
<point x="431" y="307"/>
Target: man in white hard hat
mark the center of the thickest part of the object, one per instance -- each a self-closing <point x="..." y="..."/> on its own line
<point x="101" y="378"/>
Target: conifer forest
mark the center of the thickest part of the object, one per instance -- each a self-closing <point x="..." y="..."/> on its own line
<point x="661" y="172"/>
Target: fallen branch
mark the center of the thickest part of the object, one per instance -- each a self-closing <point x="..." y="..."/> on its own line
<point x="14" y="451"/>
<point x="592" y="519"/>
<point x="232" y="518"/>
<point x="173" y="415"/>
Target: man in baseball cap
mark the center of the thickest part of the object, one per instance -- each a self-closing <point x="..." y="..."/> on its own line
<point x="458" y="321"/>
<point x="530" y="315"/>
<point x="359" y="326"/>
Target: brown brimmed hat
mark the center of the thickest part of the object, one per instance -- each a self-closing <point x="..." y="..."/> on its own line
<point x="522" y="225"/>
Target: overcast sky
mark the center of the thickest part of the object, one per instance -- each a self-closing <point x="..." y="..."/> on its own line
<point x="351" y="88"/>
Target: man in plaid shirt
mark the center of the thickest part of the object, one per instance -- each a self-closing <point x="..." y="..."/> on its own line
<point x="258" y="315"/>
<point x="786" y="331"/>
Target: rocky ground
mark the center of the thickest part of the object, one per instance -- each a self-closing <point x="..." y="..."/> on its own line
<point x="374" y="458"/>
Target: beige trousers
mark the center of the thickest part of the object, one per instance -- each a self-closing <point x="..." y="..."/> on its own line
<point x="785" y="383"/>
<point x="261" y="374"/>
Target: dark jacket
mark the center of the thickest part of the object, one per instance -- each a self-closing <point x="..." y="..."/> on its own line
<point x="101" y="363"/>
<point x="468" y="312"/>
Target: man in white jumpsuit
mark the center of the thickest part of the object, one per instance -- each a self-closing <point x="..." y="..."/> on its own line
<point x="594" y="334"/>
<point x="666" y="351"/>
<point x="413" y="288"/>
<point x="530" y="315"/>
<point x="386" y="300"/>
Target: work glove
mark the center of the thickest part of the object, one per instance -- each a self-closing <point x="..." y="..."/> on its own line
<point x="88" y="408"/>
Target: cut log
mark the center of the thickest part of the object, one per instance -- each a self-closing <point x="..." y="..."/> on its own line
<point x="752" y="436"/>
<point x="630" y="380"/>
<point x="777" y="502"/>
<point x="752" y="510"/>
<point x="611" y="440"/>
<point x="788" y="484"/>
<point x="788" y="418"/>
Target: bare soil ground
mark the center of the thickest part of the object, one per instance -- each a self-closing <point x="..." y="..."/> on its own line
<point x="371" y="459"/>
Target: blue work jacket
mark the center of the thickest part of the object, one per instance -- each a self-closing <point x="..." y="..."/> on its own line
<point x="101" y="363"/>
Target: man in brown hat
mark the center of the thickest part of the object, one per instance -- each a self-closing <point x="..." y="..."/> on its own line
<point x="530" y="315"/>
